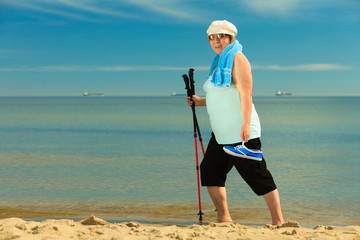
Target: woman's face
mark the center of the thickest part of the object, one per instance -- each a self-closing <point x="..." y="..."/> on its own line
<point x="219" y="42"/>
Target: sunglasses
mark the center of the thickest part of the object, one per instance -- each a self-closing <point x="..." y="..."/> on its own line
<point x="214" y="36"/>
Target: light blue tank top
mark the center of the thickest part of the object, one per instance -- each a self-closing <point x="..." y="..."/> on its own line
<point x="224" y="109"/>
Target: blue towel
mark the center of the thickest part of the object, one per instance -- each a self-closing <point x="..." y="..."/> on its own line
<point x="222" y="73"/>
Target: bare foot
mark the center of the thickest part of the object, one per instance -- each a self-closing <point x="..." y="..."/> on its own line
<point x="225" y="221"/>
<point x="278" y="223"/>
<point x="224" y="218"/>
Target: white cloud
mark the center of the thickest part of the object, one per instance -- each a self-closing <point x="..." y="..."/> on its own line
<point x="44" y="7"/>
<point x="94" y="7"/>
<point x="149" y="68"/>
<point x="288" y="8"/>
<point x="280" y="7"/>
<point x="305" y="67"/>
<point x="173" y="8"/>
<point x="97" y="68"/>
<point x="128" y="9"/>
<point x="194" y="11"/>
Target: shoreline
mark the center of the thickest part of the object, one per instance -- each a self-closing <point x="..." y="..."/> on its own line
<point x="168" y="214"/>
<point x="96" y="228"/>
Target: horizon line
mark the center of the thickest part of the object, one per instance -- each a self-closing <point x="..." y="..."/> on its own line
<point x="123" y="68"/>
<point x="107" y="96"/>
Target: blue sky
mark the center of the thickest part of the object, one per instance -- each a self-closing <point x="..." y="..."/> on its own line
<point x="142" y="47"/>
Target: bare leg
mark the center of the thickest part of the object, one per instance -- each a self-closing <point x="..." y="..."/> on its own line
<point x="218" y="196"/>
<point x="272" y="199"/>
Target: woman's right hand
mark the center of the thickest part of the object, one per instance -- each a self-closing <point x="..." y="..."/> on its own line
<point x="199" y="101"/>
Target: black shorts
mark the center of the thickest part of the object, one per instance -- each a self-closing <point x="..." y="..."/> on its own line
<point x="216" y="165"/>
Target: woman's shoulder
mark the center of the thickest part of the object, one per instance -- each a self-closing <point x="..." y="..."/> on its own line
<point x="240" y="59"/>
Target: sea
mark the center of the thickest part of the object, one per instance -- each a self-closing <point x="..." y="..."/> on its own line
<point x="133" y="159"/>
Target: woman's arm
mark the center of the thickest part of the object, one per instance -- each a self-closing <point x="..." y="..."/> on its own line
<point x="199" y="101"/>
<point x="242" y="78"/>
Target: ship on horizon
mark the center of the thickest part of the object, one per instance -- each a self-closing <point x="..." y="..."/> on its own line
<point x="174" y="94"/>
<point x="86" y="94"/>
<point x="280" y="93"/>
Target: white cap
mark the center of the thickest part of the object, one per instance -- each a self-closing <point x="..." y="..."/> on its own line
<point x="222" y="27"/>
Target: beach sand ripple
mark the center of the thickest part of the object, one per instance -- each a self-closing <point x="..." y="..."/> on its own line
<point x="96" y="228"/>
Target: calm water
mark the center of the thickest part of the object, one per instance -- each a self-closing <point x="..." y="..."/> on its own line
<point x="124" y="158"/>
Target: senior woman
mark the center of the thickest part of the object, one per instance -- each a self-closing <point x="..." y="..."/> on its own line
<point x="234" y="121"/>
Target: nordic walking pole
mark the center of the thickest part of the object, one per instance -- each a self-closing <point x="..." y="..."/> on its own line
<point x="189" y="93"/>
<point x="192" y="87"/>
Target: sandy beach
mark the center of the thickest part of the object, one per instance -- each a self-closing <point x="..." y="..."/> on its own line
<point x="96" y="228"/>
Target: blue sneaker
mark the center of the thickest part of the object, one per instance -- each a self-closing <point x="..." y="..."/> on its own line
<point x="244" y="152"/>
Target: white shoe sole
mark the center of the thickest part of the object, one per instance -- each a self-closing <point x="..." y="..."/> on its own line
<point x="240" y="155"/>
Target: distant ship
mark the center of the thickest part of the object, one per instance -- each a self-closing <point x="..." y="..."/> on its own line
<point x="86" y="94"/>
<point x="174" y="94"/>
<point x="280" y="93"/>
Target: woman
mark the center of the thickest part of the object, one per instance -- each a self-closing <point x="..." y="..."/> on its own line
<point x="234" y="121"/>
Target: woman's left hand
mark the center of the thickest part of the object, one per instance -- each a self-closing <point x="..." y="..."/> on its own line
<point x="245" y="132"/>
